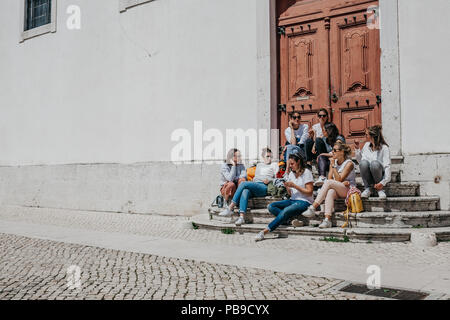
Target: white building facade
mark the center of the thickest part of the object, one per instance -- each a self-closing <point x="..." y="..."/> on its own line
<point x="90" y="101"/>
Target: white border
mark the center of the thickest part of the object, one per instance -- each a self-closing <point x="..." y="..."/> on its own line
<point x="28" y="34"/>
<point x="125" y="4"/>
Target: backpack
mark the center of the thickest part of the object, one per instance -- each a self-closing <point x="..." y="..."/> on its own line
<point x="354" y="204"/>
<point x="218" y="201"/>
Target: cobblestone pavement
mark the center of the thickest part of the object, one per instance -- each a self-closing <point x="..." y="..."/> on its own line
<point x="169" y="228"/>
<point x="37" y="269"/>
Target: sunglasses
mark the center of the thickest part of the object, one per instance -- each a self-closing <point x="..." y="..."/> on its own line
<point x="295" y="117"/>
<point x="322" y="116"/>
<point x="334" y="150"/>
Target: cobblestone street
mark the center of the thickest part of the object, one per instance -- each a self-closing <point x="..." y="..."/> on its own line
<point x="125" y="256"/>
<point x="37" y="269"/>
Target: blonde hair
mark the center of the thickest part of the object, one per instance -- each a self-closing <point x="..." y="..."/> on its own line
<point x="345" y="147"/>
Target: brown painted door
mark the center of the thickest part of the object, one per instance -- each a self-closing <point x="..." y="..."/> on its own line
<point x="329" y="57"/>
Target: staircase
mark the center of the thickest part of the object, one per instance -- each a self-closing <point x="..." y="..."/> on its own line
<point x="394" y="219"/>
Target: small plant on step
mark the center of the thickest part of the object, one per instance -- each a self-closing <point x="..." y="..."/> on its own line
<point x="195" y="226"/>
<point x="228" y="231"/>
<point x="334" y="239"/>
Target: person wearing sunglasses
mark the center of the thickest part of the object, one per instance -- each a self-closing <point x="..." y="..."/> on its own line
<point x="299" y="186"/>
<point x="264" y="174"/>
<point x="315" y="144"/>
<point x="296" y="135"/>
<point x="341" y="177"/>
<point x="374" y="162"/>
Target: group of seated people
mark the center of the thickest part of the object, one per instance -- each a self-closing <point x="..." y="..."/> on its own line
<point x="322" y="144"/>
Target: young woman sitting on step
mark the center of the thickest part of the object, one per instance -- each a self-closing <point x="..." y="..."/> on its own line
<point x="300" y="188"/>
<point x="264" y="174"/>
<point x="331" y="136"/>
<point x="232" y="173"/>
<point x="341" y="177"/>
<point x="315" y="145"/>
<point x="374" y="162"/>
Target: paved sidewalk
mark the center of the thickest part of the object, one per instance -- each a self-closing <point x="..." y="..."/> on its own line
<point x="402" y="265"/>
<point x="37" y="269"/>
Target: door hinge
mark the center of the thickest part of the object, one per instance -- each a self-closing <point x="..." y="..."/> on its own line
<point x="281" y="31"/>
<point x="378" y="99"/>
<point x="282" y="107"/>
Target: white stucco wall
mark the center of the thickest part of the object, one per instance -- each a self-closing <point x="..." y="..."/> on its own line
<point x="114" y="91"/>
<point x="424" y="42"/>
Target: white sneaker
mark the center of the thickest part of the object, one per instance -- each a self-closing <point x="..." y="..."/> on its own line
<point x="366" y="193"/>
<point x="310" y="212"/>
<point x="226" y="213"/>
<point x="320" y="181"/>
<point x="382" y="194"/>
<point x="240" y="221"/>
<point x="325" y="224"/>
<point x="259" y="236"/>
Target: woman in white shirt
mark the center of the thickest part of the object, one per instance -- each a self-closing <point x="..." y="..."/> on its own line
<point x="299" y="187"/>
<point x="341" y="177"/>
<point x="296" y="135"/>
<point x="264" y="174"/>
<point x="374" y="162"/>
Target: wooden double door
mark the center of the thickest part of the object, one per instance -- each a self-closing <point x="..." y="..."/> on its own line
<point x="329" y="56"/>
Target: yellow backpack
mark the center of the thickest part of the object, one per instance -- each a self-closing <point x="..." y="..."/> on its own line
<point x="354" y="204"/>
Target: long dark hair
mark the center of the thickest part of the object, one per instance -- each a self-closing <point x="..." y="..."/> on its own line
<point x="376" y="133"/>
<point x="299" y="159"/>
<point x="332" y="132"/>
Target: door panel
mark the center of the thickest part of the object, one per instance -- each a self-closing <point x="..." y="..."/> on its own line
<point x="355" y="73"/>
<point x="329" y="58"/>
<point x="304" y="49"/>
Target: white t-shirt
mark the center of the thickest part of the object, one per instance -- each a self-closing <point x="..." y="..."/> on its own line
<point x="301" y="133"/>
<point x="301" y="181"/>
<point x="266" y="171"/>
<point x="351" y="176"/>
<point x="318" y="130"/>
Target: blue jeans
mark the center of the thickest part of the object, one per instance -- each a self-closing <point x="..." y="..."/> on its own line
<point x="286" y="209"/>
<point x="291" y="148"/>
<point x="246" y="190"/>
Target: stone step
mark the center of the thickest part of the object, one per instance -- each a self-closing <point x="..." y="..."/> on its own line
<point x="395" y="175"/>
<point x="393" y="204"/>
<point x="353" y="234"/>
<point x="392" y="189"/>
<point x="430" y="219"/>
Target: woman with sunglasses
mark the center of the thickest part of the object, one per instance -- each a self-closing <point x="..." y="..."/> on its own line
<point x="300" y="188"/>
<point x="232" y="174"/>
<point x="341" y="177"/>
<point x="296" y="135"/>
<point x="374" y="162"/>
<point x="315" y="145"/>
<point x="265" y="172"/>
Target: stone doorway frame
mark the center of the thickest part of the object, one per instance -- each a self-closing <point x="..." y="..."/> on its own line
<point x="267" y="69"/>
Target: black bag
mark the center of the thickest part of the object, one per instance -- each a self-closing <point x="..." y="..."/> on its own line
<point x="218" y="202"/>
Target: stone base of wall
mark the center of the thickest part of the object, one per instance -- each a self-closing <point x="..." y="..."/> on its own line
<point x="424" y="169"/>
<point x="150" y="188"/>
<point x="161" y="187"/>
